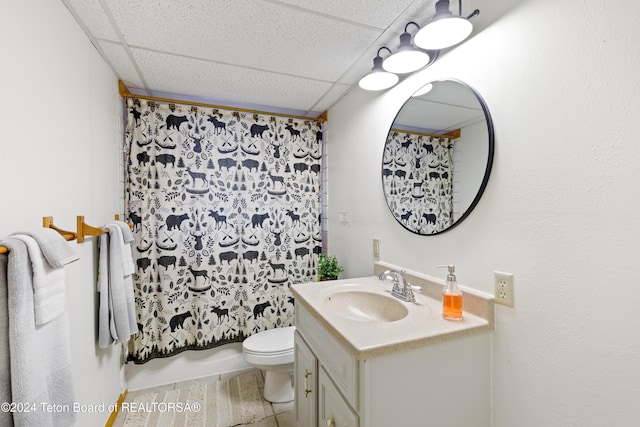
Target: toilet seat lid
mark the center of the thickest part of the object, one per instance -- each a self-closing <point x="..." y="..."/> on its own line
<point x="276" y="340"/>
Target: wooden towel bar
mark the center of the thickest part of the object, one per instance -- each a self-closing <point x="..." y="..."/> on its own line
<point x="82" y="230"/>
<point x="47" y="222"/>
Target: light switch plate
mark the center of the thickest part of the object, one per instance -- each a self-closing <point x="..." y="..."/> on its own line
<point x="344" y="218"/>
<point x="376" y="248"/>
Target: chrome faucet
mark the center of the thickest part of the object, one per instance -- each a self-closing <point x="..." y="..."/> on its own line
<point x="404" y="291"/>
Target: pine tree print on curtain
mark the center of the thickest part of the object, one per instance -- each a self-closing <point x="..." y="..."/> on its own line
<point x="417" y="178"/>
<point x="225" y="208"/>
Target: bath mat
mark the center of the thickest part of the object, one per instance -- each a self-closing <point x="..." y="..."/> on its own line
<point x="225" y="403"/>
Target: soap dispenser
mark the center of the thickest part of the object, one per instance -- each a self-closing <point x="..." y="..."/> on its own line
<point x="451" y="296"/>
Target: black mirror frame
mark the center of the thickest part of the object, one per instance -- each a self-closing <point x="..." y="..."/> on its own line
<point x="487" y="172"/>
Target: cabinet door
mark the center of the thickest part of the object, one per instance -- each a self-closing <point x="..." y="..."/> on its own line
<point x="333" y="410"/>
<point x="341" y="366"/>
<point x="306" y="383"/>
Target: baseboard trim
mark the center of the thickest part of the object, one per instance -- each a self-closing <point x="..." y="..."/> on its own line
<point x="114" y="413"/>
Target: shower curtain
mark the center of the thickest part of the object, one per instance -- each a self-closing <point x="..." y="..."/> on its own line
<point x="417" y="178"/>
<point x="225" y="209"/>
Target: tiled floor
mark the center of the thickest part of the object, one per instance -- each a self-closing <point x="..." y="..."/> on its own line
<point x="278" y="414"/>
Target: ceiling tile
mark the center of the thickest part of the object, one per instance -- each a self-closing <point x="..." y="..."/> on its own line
<point x="376" y="13"/>
<point x="120" y="61"/>
<point x="93" y="17"/>
<point x="271" y="37"/>
<point x="227" y="82"/>
<point x="332" y="96"/>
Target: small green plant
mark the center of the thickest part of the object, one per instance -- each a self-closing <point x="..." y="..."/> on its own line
<point x="328" y="267"/>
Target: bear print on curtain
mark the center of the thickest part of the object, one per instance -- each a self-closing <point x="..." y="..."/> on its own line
<point x="417" y="181"/>
<point x="225" y="211"/>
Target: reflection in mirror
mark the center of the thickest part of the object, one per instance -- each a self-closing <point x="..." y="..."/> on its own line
<point x="437" y="157"/>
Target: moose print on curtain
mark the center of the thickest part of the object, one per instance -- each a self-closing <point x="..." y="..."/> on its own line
<point x="417" y="181"/>
<point x="226" y="211"/>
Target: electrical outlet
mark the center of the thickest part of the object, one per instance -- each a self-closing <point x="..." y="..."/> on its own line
<point x="376" y="248"/>
<point x="504" y="288"/>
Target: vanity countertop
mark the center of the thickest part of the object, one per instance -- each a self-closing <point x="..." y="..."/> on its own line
<point x="423" y="324"/>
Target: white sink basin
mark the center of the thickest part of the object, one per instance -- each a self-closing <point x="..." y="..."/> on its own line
<point x="361" y="313"/>
<point x="365" y="306"/>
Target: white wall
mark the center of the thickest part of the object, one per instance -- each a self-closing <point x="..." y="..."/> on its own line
<point x="560" y="212"/>
<point x="60" y="114"/>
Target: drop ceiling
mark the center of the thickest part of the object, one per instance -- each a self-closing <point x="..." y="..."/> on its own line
<point x="295" y="56"/>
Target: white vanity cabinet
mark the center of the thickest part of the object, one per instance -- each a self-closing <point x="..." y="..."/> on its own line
<point x="444" y="384"/>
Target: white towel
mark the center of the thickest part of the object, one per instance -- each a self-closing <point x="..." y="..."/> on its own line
<point x="6" y="419"/>
<point x="128" y="269"/>
<point x="57" y="251"/>
<point x="118" y="298"/>
<point x="117" y="317"/>
<point x="40" y="356"/>
<point x="127" y="258"/>
<point x="48" y="283"/>
<point x="105" y="335"/>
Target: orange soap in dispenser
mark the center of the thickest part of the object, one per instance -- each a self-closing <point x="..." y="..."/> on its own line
<point x="451" y="296"/>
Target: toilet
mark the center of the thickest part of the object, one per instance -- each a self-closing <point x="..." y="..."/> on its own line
<point x="272" y="351"/>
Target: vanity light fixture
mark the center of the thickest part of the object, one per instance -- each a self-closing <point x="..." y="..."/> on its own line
<point x="407" y="58"/>
<point x="378" y="78"/>
<point x="445" y="29"/>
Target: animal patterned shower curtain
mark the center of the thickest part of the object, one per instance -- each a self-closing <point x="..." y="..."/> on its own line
<point x="225" y="209"/>
<point x="417" y="179"/>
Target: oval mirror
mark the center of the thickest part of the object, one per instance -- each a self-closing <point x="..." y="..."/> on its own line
<point x="437" y="158"/>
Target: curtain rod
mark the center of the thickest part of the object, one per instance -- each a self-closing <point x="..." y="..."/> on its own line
<point x="124" y="92"/>
<point x="454" y="134"/>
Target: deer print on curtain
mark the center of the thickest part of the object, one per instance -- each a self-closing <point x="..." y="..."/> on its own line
<point x="225" y="207"/>
<point x="417" y="181"/>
